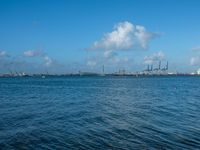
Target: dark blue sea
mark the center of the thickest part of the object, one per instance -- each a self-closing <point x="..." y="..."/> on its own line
<point x="100" y="113"/>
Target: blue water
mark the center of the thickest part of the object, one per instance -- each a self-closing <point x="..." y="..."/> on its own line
<point x="100" y="113"/>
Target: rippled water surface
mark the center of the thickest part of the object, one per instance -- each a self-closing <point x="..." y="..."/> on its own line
<point x="100" y="113"/>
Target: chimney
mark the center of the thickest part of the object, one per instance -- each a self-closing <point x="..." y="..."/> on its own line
<point x="159" y="65"/>
<point x="167" y="66"/>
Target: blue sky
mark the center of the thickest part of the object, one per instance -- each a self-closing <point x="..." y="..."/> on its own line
<point x="59" y="36"/>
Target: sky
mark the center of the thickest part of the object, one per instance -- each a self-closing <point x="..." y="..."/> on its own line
<point x="63" y="36"/>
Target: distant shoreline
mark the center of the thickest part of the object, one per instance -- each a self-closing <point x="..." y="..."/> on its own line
<point x="102" y="75"/>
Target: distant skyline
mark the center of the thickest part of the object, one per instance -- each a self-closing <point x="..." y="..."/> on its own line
<point x="70" y="35"/>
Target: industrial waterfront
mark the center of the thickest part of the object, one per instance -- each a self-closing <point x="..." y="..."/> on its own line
<point x="149" y="71"/>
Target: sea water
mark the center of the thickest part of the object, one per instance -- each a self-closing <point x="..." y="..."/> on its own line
<point x="100" y="113"/>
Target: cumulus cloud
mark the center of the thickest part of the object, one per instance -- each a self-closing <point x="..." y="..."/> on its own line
<point x="33" y="53"/>
<point x="154" y="57"/>
<point x="125" y="36"/>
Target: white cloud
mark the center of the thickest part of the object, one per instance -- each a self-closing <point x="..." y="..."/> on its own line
<point x="32" y="53"/>
<point x="143" y="37"/>
<point x="125" y="36"/>
<point x="154" y="57"/>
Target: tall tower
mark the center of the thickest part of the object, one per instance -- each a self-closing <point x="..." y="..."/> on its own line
<point x="151" y="67"/>
<point x="159" y="65"/>
<point x="167" y="66"/>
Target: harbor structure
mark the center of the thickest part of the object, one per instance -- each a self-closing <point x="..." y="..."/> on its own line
<point x="156" y="71"/>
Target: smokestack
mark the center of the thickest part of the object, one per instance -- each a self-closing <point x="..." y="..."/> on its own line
<point x="167" y="66"/>
<point x="103" y="69"/>
<point x="159" y="65"/>
<point x="151" y="67"/>
<point x="148" y="68"/>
